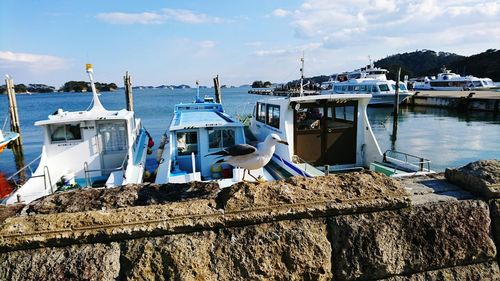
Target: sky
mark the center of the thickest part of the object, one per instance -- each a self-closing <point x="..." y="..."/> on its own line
<point x="178" y="42"/>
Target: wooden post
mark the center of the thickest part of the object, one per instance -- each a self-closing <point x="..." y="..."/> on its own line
<point x="129" y="99"/>
<point x="14" y="117"/>
<point x="396" y="100"/>
<point x="396" y="112"/>
<point x="218" y="95"/>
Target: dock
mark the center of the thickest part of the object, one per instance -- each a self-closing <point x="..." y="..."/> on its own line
<point x="460" y="100"/>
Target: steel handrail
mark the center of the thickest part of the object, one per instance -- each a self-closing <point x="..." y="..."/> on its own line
<point x="27" y="166"/>
<point x="87" y="171"/>
<point x="419" y="164"/>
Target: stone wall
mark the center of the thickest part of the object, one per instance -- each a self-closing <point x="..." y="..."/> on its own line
<point x="357" y="226"/>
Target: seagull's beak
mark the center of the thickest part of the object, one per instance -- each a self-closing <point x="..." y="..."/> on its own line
<point x="283" y="142"/>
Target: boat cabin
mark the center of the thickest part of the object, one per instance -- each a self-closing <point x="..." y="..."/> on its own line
<point x="196" y="130"/>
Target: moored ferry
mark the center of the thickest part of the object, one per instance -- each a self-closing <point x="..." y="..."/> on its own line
<point x="369" y="80"/>
<point x="449" y="81"/>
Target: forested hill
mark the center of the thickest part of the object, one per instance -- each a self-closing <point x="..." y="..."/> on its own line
<point x="427" y="62"/>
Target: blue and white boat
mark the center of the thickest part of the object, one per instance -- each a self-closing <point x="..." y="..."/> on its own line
<point x="198" y="129"/>
<point x="369" y="80"/>
<point x="96" y="147"/>
<point x="6" y="138"/>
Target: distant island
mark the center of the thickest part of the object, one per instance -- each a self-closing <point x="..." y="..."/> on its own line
<point x="71" y="86"/>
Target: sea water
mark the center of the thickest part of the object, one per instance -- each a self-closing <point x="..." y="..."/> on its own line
<point x="447" y="138"/>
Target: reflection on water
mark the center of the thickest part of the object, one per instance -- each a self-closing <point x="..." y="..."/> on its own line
<point x="444" y="136"/>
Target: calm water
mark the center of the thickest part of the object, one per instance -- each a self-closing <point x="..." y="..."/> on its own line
<point x="447" y="138"/>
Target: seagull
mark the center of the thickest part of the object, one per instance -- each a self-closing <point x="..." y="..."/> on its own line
<point x="248" y="157"/>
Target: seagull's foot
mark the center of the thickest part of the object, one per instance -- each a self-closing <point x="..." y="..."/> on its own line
<point x="260" y="179"/>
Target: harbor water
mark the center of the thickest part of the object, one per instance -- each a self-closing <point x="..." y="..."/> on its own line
<point x="446" y="137"/>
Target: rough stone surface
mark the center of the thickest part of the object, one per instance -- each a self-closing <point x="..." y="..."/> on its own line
<point x="77" y="262"/>
<point x="9" y="211"/>
<point x="242" y="204"/>
<point x="495" y="220"/>
<point x="349" y="187"/>
<point x="290" y="250"/>
<point x="483" y="271"/>
<point x="422" y="238"/>
<point x="480" y="177"/>
<point x="96" y="199"/>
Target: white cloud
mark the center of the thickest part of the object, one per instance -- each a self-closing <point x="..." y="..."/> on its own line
<point x="160" y="17"/>
<point x="188" y="16"/>
<point x="290" y="50"/>
<point x="281" y="13"/>
<point x="132" y="18"/>
<point x="33" y="62"/>
<point x="207" y="44"/>
<point x="254" y="44"/>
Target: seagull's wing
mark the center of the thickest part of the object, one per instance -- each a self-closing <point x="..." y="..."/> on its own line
<point x="240" y="149"/>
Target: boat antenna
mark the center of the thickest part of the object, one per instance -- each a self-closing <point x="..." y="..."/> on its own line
<point x="371" y="62"/>
<point x="301" y="91"/>
<point x="95" y="98"/>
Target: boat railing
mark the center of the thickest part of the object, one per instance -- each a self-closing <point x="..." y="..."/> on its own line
<point x="407" y="161"/>
<point x="87" y="171"/>
<point x="18" y="179"/>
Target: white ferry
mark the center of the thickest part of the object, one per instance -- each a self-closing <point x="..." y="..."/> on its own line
<point x="370" y="80"/>
<point x="197" y="130"/>
<point x="449" y="81"/>
<point x="328" y="133"/>
<point x="89" y="148"/>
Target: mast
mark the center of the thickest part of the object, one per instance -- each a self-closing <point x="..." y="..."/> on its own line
<point x="97" y="106"/>
<point x="198" y="100"/>
<point x="301" y="91"/>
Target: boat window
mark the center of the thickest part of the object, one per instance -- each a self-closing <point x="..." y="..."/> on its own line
<point x="350" y="87"/>
<point x="383" y="87"/>
<point x="374" y="88"/>
<point x="113" y="136"/>
<point x="187" y="142"/>
<point x="340" y="117"/>
<point x="273" y="116"/>
<point x="362" y="88"/>
<point x="67" y="132"/>
<point x="356" y="88"/>
<point x="220" y="138"/>
<point x="309" y="118"/>
<point x="477" y="83"/>
<point x="261" y="112"/>
<point x="402" y="87"/>
<point x="344" y="88"/>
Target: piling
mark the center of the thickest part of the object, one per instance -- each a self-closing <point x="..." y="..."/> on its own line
<point x="396" y="106"/>
<point x="14" y="117"/>
<point x="129" y="99"/>
<point x="218" y="95"/>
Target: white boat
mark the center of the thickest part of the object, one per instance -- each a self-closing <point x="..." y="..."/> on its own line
<point x="328" y="132"/>
<point x="370" y="80"/>
<point x="197" y="130"/>
<point x="449" y="81"/>
<point x="96" y="147"/>
<point x="6" y="138"/>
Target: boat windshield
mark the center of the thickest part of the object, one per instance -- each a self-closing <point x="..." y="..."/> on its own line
<point x="383" y="87"/>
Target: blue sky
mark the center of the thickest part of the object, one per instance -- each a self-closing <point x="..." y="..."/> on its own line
<point x="174" y="42"/>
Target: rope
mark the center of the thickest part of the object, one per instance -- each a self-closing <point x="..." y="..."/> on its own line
<point x="5" y="122"/>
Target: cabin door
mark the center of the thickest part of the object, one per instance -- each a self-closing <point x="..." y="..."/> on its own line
<point x="340" y="134"/>
<point x="326" y="134"/>
<point x="113" y="144"/>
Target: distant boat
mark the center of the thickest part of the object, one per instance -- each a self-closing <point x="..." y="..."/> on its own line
<point x="370" y="80"/>
<point x="449" y="81"/>
<point x="6" y="138"/>
<point x="88" y="148"/>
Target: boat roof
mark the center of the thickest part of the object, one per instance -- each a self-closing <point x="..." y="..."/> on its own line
<point x="201" y="115"/>
<point x="61" y="116"/>
<point x="313" y="98"/>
